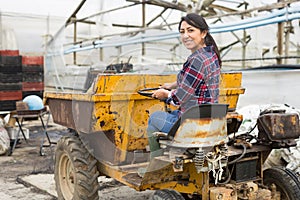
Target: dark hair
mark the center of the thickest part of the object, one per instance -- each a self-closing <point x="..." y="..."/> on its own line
<point x="199" y="22"/>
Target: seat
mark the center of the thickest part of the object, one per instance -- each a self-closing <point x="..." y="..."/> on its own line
<point x="203" y="124"/>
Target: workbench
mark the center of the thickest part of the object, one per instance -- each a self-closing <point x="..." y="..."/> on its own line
<point x="21" y="115"/>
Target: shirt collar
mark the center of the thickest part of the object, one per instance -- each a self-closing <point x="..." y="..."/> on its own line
<point x="203" y="50"/>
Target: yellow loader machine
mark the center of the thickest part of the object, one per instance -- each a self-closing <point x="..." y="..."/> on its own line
<point x="204" y="156"/>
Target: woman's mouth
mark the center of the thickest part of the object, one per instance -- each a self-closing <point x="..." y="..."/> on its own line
<point x="188" y="42"/>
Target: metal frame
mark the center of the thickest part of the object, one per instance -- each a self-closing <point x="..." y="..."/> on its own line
<point x="283" y="34"/>
<point x="32" y="114"/>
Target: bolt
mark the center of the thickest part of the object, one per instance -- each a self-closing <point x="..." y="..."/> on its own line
<point x="220" y="197"/>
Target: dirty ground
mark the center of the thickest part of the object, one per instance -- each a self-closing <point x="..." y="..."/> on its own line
<point x="25" y="175"/>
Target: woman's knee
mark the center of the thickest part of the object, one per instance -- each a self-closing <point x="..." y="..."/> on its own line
<point x="156" y="121"/>
<point x="158" y="115"/>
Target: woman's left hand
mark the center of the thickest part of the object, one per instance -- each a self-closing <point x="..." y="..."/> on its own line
<point x="161" y="94"/>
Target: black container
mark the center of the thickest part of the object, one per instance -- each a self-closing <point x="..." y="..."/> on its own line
<point x="10" y="86"/>
<point x="8" y="105"/>
<point x="245" y="170"/>
<point x="11" y="77"/>
<point x="10" y="69"/>
<point x="11" y="60"/>
<point x="37" y="93"/>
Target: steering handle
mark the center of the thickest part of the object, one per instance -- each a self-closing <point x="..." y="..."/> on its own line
<point x="147" y="91"/>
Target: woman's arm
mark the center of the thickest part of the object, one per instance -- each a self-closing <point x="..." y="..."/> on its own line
<point x="191" y="80"/>
<point x="169" y="86"/>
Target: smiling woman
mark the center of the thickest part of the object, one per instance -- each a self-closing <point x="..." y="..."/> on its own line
<point x="192" y="37"/>
<point x="197" y="82"/>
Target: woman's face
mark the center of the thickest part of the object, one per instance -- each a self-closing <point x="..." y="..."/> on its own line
<point x="191" y="36"/>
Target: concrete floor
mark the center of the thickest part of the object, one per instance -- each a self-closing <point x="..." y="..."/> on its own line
<point x="25" y="175"/>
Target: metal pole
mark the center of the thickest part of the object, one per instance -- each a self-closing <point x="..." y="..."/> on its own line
<point x="144" y="24"/>
<point x="101" y="54"/>
<point x="119" y="53"/>
<point x="287" y="40"/>
<point x="244" y="43"/>
<point x="244" y="49"/>
<point x="279" y="41"/>
<point x="1" y="31"/>
<point x="75" y="40"/>
<point x="298" y="53"/>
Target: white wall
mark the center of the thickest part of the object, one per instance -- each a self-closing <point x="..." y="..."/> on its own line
<point x="270" y="87"/>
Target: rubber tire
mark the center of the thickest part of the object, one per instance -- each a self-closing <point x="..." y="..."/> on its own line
<point x="286" y="182"/>
<point x="191" y="197"/>
<point x="167" y="194"/>
<point x="75" y="171"/>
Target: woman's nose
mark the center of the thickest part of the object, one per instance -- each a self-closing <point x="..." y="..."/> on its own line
<point x="185" y="35"/>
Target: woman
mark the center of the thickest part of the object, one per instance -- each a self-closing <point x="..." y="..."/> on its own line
<point x="197" y="82"/>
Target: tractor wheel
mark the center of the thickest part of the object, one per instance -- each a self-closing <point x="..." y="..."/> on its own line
<point x="167" y="194"/>
<point x="285" y="180"/>
<point x="191" y="197"/>
<point x="75" y="171"/>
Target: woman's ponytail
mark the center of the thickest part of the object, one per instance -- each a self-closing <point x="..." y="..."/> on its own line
<point x="209" y="41"/>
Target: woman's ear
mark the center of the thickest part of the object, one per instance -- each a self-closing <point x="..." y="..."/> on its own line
<point x="203" y="34"/>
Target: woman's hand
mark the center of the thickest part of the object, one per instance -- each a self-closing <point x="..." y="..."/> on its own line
<point x="169" y="86"/>
<point x="161" y="94"/>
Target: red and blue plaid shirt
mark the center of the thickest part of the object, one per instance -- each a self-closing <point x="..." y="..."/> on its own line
<point x="198" y="80"/>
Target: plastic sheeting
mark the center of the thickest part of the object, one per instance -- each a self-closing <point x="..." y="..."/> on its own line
<point x="277" y="16"/>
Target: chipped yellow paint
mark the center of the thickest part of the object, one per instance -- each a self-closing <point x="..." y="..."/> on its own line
<point x="165" y="177"/>
<point x="121" y="111"/>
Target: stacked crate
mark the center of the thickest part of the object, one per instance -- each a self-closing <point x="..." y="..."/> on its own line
<point x="10" y="79"/>
<point x="33" y="75"/>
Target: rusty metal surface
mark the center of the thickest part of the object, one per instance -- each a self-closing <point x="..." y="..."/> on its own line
<point x="160" y="174"/>
<point x="234" y="151"/>
<point x="76" y="115"/>
<point x="279" y="126"/>
<point x="234" y="120"/>
<point x="201" y="133"/>
<point x="248" y="190"/>
<point x="113" y="106"/>
<point x="224" y="193"/>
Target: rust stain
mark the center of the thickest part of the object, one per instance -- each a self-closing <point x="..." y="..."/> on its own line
<point x="196" y="131"/>
<point x="109" y="110"/>
<point x="280" y="126"/>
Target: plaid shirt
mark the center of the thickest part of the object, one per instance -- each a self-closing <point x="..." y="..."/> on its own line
<point x="198" y="80"/>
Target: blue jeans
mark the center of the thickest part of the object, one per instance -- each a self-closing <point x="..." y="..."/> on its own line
<point x="159" y="121"/>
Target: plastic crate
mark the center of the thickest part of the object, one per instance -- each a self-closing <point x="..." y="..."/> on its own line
<point x="11" y="77"/>
<point x="10" y="95"/>
<point x="10" y="86"/>
<point x="37" y="93"/>
<point x="11" y="60"/>
<point x="32" y="86"/>
<point x="10" y="69"/>
<point x="9" y="52"/>
<point x="32" y="68"/>
<point x="33" y="77"/>
<point x="32" y="60"/>
<point x="8" y="105"/>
